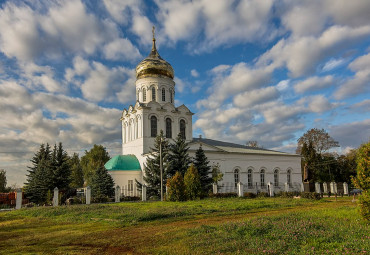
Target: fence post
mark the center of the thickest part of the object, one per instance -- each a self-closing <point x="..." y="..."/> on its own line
<point x="143" y="193"/>
<point x="286" y="187"/>
<point x="302" y="187"/>
<point x="56" y="197"/>
<point x="240" y="189"/>
<point x="332" y="190"/>
<point x="88" y="195"/>
<point x="18" y="203"/>
<point x="117" y="194"/>
<point x="317" y="187"/>
<point x="345" y="188"/>
<point x="325" y="187"/>
<point x="270" y="189"/>
<point x="214" y="188"/>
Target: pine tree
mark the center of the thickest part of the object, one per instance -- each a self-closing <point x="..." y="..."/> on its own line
<point x="77" y="176"/>
<point x="178" y="157"/>
<point x="3" y="181"/>
<point x="102" y="183"/>
<point x="152" y="167"/>
<point x="192" y="183"/>
<point x="201" y="163"/>
<point x="176" y="188"/>
<point x="61" y="170"/>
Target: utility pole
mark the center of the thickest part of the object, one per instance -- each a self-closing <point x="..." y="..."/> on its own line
<point x="160" y="166"/>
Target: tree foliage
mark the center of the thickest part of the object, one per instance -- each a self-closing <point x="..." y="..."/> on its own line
<point x="201" y="163"/>
<point x="3" y="181"/>
<point x="102" y="183"/>
<point x="320" y="139"/>
<point x="362" y="181"/>
<point x="152" y="167"/>
<point x="61" y="168"/>
<point x="217" y="175"/>
<point x="77" y="176"/>
<point x="93" y="160"/>
<point x="176" y="188"/>
<point x="192" y="183"/>
<point x="179" y="159"/>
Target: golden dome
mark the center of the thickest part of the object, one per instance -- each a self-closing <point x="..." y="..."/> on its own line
<point x="154" y="65"/>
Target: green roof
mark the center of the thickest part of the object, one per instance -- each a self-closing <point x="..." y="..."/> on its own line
<point x="123" y="163"/>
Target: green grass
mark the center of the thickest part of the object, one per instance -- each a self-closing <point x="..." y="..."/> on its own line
<point x="211" y="226"/>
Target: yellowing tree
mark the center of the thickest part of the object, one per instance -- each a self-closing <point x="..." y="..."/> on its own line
<point x="192" y="183"/>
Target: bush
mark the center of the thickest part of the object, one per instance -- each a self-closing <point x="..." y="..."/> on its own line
<point x="311" y="195"/>
<point x="223" y="195"/>
<point x="192" y="183"/>
<point x="262" y="194"/>
<point x="130" y="198"/>
<point x="176" y="188"/>
<point x="289" y="194"/>
<point x="249" y="195"/>
<point x="100" y="198"/>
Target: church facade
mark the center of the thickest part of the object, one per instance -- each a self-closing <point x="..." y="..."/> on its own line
<point x="257" y="169"/>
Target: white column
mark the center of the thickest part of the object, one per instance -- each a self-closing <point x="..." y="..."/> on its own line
<point x="240" y="187"/>
<point x="214" y="188"/>
<point x="117" y="194"/>
<point x="286" y="187"/>
<point x="317" y="187"/>
<point x="18" y="202"/>
<point x="345" y="188"/>
<point x="302" y="187"/>
<point x="88" y="195"/>
<point x="143" y="193"/>
<point x="325" y="187"/>
<point x="271" y="189"/>
<point x="56" y="197"/>
<point x="332" y="190"/>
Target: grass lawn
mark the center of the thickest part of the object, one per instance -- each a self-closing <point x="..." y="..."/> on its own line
<point x="211" y="226"/>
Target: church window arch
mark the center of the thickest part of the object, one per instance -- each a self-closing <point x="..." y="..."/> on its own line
<point x="236" y="177"/>
<point x="163" y="95"/>
<point x="154" y="97"/>
<point x="262" y="177"/>
<point x="289" y="177"/>
<point x="153" y="126"/>
<point x="183" y="129"/>
<point x="168" y="128"/>
<point x="276" y="177"/>
<point x="250" y="177"/>
<point x="144" y="94"/>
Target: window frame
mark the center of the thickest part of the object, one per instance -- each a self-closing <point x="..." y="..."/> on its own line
<point x="153" y="126"/>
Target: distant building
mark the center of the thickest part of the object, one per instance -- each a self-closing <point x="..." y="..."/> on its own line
<point x="155" y="110"/>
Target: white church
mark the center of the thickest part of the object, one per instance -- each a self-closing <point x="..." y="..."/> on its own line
<point x="259" y="170"/>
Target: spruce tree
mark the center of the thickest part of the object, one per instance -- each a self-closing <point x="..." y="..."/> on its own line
<point x="201" y="163"/>
<point x="102" y="183"/>
<point x="61" y="170"/>
<point x="152" y="167"/>
<point x="77" y="176"/>
<point x="178" y="157"/>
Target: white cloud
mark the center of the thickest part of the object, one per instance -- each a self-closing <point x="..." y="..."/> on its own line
<point x="283" y="85"/>
<point x="314" y="83"/>
<point x="319" y="104"/>
<point x="360" y="82"/>
<point x="121" y="49"/>
<point x="363" y="106"/>
<point x="351" y="134"/>
<point x="250" y="98"/>
<point x="332" y="64"/>
<point x="194" y="73"/>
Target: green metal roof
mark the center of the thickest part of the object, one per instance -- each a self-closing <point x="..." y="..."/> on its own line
<point x="123" y="163"/>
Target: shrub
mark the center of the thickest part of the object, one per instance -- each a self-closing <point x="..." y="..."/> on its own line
<point x="262" y="194"/>
<point x="224" y="195"/>
<point x="289" y="194"/>
<point x="249" y="195"/>
<point x="130" y="198"/>
<point x="311" y="195"/>
<point x="176" y="188"/>
<point x="192" y="183"/>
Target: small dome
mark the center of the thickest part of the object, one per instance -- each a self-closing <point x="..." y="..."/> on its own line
<point x="154" y="65"/>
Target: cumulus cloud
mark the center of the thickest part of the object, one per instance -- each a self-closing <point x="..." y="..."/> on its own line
<point x="194" y="73"/>
<point x="348" y="134"/>
<point x="121" y="49"/>
<point x="332" y="64"/>
<point x="257" y="96"/>
<point x="363" y="106"/>
<point x="360" y="82"/>
<point x="314" y="83"/>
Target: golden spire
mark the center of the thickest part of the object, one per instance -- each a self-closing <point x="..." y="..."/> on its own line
<point x="154" y="48"/>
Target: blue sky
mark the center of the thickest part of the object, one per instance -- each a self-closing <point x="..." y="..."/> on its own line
<point x="250" y="70"/>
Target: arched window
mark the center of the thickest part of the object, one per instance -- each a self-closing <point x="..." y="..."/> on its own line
<point x="171" y="96"/>
<point x="163" y="95"/>
<point x="144" y="95"/>
<point x="236" y="177"/>
<point x="250" y="178"/>
<point x="153" y="94"/>
<point x="276" y="178"/>
<point x="153" y="126"/>
<point x="288" y="177"/>
<point x="262" y="177"/>
<point x="182" y="129"/>
<point x="168" y="128"/>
